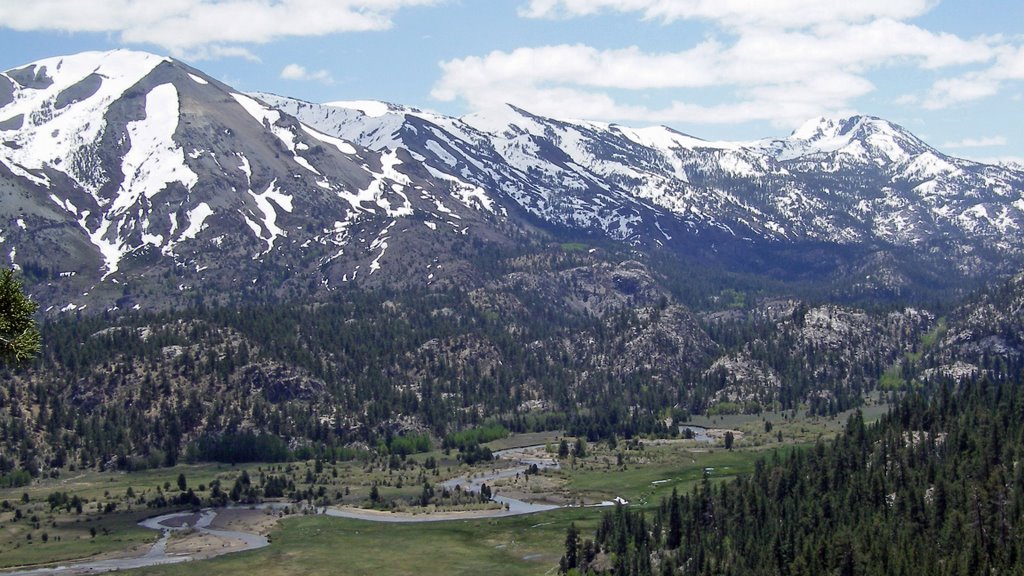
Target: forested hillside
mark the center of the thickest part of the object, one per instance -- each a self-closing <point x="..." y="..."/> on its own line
<point x="935" y="487"/>
<point x="569" y="339"/>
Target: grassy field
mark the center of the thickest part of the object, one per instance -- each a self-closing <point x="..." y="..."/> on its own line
<point x="103" y="486"/>
<point x="640" y="471"/>
<point x="522" y="440"/>
<point x="648" y="475"/>
<point x="315" y="545"/>
<point x="796" y="428"/>
<point x="54" y="537"/>
<point x="33" y="532"/>
<point x="508" y="546"/>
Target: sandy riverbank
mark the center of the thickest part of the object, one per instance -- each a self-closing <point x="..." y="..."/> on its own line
<point x="200" y="544"/>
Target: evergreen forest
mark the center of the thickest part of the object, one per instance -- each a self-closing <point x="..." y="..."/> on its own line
<point x="935" y="487"/>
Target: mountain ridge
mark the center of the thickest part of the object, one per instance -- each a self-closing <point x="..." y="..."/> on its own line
<point x="183" y="171"/>
<point x="130" y="178"/>
<point x="868" y="145"/>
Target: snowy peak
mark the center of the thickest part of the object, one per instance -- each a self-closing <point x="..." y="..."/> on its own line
<point x="855" y="138"/>
<point x="506" y="120"/>
<point x="60" y="73"/>
<point x="54" y="108"/>
<point x="132" y="161"/>
<point x="827" y="129"/>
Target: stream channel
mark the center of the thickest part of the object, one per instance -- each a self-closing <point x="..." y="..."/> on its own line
<point x="170" y="523"/>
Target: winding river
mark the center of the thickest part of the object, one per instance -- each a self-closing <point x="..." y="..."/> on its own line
<point x="472" y="483"/>
<point x="168" y="524"/>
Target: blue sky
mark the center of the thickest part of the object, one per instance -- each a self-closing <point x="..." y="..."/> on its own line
<point x="950" y="71"/>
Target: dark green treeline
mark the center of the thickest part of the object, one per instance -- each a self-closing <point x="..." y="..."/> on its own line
<point x="936" y="487"/>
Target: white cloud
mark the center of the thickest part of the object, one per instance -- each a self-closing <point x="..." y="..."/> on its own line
<point x="738" y="13"/>
<point x="985" y="142"/>
<point x="907" y="100"/>
<point x="298" y="72"/>
<point x="780" y="74"/>
<point x="215" y="51"/>
<point x="204" y="27"/>
<point x="975" y="85"/>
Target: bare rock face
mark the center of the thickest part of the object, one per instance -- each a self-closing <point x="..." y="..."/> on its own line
<point x="983" y="334"/>
<point x="278" y="384"/>
<point x="745" y="380"/>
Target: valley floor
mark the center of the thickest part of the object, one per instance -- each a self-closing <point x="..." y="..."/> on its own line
<point x="307" y="538"/>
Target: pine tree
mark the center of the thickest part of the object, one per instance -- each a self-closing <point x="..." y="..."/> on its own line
<point x="571" y="560"/>
<point x="563" y="449"/>
<point x="580" y="449"/>
<point x="19" y="337"/>
<point x="675" y="522"/>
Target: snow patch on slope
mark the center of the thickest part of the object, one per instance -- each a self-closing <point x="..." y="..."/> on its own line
<point x="154" y="159"/>
<point x="377" y="190"/>
<point x="441" y="153"/>
<point x="263" y="202"/>
<point x="196" y="220"/>
<point x="466" y="193"/>
<point x="342" y="146"/>
<point x="371" y="108"/>
<point x="928" y="165"/>
<point x="269" y="118"/>
<point x="380" y="242"/>
<point x="65" y="136"/>
<point x="110" y="249"/>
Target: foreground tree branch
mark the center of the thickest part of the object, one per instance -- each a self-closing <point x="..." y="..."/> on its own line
<point x="19" y="337"/>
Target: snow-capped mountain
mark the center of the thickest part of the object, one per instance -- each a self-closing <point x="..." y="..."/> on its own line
<point x="134" y="174"/>
<point x="124" y="175"/>
<point x="845" y="181"/>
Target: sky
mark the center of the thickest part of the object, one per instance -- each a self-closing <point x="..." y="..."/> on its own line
<point x="950" y="71"/>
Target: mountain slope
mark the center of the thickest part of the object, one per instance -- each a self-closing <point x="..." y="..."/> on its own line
<point x="562" y="340"/>
<point x="982" y="337"/>
<point x="860" y="183"/>
<point x="126" y="172"/>
<point x="128" y="179"/>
